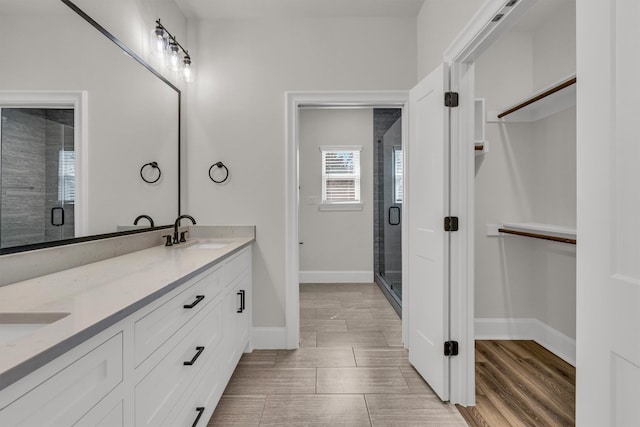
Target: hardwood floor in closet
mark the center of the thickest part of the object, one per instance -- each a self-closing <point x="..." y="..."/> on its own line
<point x="350" y="369"/>
<point x="520" y="383"/>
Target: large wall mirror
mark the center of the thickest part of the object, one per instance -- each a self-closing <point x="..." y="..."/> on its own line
<point x="81" y="118"/>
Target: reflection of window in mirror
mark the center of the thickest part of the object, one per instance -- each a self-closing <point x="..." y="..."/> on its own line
<point x="67" y="176"/>
<point x="397" y="174"/>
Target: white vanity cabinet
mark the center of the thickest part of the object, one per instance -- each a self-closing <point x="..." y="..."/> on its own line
<point x="166" y="364"/>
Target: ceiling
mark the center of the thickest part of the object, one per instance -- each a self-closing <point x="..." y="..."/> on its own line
<point x="540" y="11"/>
<point x="208" y="9"/>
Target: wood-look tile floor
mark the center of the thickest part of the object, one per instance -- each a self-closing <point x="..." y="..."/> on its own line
<point x="350" y="369"/>
<point x="520" y="383"/>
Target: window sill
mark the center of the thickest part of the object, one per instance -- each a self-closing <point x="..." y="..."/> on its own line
<point x="340" y="207"/>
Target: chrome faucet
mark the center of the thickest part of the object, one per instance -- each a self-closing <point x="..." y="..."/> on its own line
<point x="147" y="217"/>
<point x="177" y="239"/>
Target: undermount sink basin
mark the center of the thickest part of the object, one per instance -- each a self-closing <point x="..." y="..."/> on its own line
<point x="208" y="245"/>
<point x="16" y="325"/>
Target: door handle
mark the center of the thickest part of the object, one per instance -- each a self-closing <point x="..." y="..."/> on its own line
<point x="241" y="293"/>
<point x="195" y="357"/>
<point x="195" y="302"/>
<point x="199" y="410"/>
<point x="397" y="210"/>
<point x="53" y="215"/>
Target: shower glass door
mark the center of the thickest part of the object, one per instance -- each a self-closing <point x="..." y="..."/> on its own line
<point x="389" y="196"/>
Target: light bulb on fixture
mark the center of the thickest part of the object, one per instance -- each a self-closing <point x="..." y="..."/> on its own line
<point x="173" y="59"/>
<point x="187" y="71"/>
<point x="159" y="40"/>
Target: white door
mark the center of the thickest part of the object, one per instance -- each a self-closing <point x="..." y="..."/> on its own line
<point x="427" y="197"/>
<point x="608" y="262"/>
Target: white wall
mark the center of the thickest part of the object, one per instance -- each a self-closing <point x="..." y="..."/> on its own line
<point x="237" y="116"/>
<point x="335" y="241"/>
<point x="439" y="22"/>
<point x="529" y="175"/>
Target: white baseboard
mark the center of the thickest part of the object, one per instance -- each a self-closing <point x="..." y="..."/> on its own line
<point x="527" y="329"/>
<point x="269" y="338"/>
<point x="336" y="276"/>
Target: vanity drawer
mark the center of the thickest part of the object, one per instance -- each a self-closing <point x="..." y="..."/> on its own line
<point x="200" y="404"/>
<point x="70" y="393"/>
<point x="159" y="391"/>
<point x="235" y="267"/>
<point x="152" y="330"/>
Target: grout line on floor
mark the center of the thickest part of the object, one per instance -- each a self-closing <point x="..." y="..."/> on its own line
<point x="264" y="405"/>
<point x="366" y="404"/>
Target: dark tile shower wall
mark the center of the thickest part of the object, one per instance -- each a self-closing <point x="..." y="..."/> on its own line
<point x="23" y="151"/>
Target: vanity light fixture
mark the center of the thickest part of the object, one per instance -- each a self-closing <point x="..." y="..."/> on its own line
<point x="166" y="46"/>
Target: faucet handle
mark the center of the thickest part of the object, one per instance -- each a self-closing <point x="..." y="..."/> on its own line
<point x="168" y="242"/>
<point x="182" y="236"/>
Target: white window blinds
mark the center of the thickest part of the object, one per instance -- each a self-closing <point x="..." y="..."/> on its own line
<point x="397" y="173"/>
<point x="340" y="174"/>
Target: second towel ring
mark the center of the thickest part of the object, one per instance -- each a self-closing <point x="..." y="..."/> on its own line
<point x="221" y="166"/>
<point x="154" y="165"/>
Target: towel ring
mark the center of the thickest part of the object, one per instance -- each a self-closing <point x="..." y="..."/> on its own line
<point x="220" y="165"/>
<point x="154" y="165"/>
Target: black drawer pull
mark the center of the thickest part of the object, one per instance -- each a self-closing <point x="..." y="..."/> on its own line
<point x="200" y="411"/>
<point x="193" y="304"/>
<point x="192" y="361"/>
<point x="241" y="293"/>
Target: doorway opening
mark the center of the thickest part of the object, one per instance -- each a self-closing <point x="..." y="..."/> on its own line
<point x="295" y="102"/>
<point x="521" y="184"/>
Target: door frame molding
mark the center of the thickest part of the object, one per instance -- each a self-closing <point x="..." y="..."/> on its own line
<point x="293" y="101"/>
<point x="479" y="33"/>
<point x="63" y="99"/>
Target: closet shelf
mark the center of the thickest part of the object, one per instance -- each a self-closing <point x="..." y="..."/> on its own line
<point x="551" y="100"/>
<point x="556" y="233"/>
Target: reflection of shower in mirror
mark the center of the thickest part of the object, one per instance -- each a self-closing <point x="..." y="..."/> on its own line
<point x="37" y="175"/>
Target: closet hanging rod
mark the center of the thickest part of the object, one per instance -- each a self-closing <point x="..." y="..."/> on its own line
<point x="536" y="98"/>
<point x="539" y="236"/>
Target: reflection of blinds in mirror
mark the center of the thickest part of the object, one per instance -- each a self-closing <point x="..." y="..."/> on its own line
<point x="340" y="174"/>
<point x="67" y="176"/>
<point x="397" y="174"/>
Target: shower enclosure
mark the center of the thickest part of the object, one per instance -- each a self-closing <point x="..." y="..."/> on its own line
<point x="388" y="192"/>
<point x="37" y="175"/>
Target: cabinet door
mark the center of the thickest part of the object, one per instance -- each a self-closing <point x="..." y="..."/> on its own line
<point x="243" y="318"/>
<point x="236" y="323"/>
<point x="65" y="397"/>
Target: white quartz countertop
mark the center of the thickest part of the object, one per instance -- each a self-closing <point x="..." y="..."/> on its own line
<point x="96" y="296"/>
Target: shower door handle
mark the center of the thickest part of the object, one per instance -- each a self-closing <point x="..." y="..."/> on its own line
<point x="397" y="210"/>
<point x="53" y="216"/>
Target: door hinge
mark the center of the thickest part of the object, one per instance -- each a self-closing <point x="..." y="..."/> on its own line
<point x="450" y="223"/>
<point x="451" y="348"/>
<point x="451" y="99"/>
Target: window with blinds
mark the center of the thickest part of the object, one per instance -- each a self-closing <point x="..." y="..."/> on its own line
<point x="397" y="174"/>
<point x="340" y="174"/>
